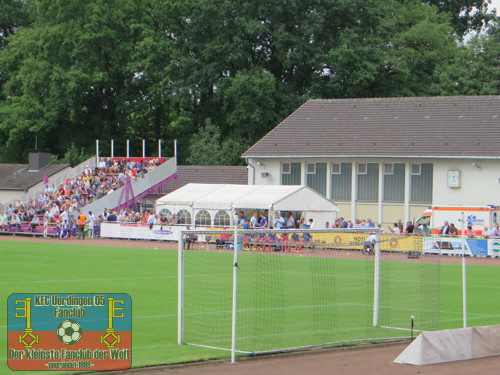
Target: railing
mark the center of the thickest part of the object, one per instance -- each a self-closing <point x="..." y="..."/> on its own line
<point x="141" y="187"/>
<point x="36" y="190"/>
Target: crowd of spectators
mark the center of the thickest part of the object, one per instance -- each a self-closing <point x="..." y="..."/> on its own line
<point x="56" y="207"/>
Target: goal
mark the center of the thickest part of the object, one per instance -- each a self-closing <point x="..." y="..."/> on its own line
<point x="280" y="290"/>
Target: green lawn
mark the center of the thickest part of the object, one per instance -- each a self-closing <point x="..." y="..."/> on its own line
<point x="293" y="308"/>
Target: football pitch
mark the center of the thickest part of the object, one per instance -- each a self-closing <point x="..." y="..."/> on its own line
<point x="150" y="278"/>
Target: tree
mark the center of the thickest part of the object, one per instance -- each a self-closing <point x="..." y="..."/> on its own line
<point x="476" y="70"/>
<point x="207" y="147"/>
<point x="67" y="77"/>
<point x="14" y="14"/>
<point x="465" y="15"/>
<point x="224" y="69"/>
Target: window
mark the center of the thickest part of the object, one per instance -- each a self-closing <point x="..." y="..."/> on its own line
<point x="316" y="177"/>
<point x="416" y="169"/>
<point x="394" y="183"/>
<point x="421" y="184"/>
<point x="368" y="182"/>
<point x="362" y="168"/>
<point x="311" y="168"/>
<point x="183" y="217"/>
<point x="342" y="182"/>
<point x="221" y="219"/>
<point x="286" y="168"/>
<point x="165" y="212"/>
<point x="203" y="218"/>
<point x="292" y="176"/>
<point x="388" y="169"/>
<point x="336" y="168"/>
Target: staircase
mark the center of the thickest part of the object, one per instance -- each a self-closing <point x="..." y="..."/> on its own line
<point x="153" y="180"/>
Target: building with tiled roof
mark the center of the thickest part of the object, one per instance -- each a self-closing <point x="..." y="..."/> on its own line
<point x="17" y="180"/>
<point x="200" y="174"/>
<point x="387" y="158"/>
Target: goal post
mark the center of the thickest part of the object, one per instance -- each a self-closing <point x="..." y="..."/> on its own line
<point x="261" y="291"/>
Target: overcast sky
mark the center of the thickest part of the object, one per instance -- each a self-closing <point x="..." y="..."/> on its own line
<point x="495" y="4"/>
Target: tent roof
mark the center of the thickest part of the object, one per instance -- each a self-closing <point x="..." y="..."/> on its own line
<point x="263" y="197"/>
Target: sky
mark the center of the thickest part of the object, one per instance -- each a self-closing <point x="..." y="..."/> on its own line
<point x="495" y="4"/>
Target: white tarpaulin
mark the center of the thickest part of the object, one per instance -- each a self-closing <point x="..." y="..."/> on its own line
<point x="452" y="345"/>
<point x="259" y="197"/>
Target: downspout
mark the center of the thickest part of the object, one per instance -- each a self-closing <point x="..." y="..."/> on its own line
<point x="252" y="180"/>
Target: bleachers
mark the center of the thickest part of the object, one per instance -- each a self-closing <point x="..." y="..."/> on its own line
<point x="160" y="173"/>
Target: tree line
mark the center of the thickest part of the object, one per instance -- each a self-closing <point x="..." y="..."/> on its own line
<point x="219" y="74"/>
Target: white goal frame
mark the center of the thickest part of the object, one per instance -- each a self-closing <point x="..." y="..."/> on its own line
<point x="235" y="232"/>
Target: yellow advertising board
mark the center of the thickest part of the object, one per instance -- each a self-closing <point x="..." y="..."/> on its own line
<point x="350" y="241"/>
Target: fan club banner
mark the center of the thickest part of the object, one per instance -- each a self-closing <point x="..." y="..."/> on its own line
<point x="69" y="331"/>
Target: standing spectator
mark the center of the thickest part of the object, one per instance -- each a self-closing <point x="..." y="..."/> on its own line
<point x="409" y="228"/>
<point x="471" y="233"/>
<point x="255" y="220"/>
<point x="3" y="220"/>
<point x="395" y="229"/>
<point x="263" y="221"/>
<point x="426" y="231"/>
<point x="81" y="221"/>
<point x="486" y="232"/>
<point x="496" y="231"/>
<point x="453" y="230"/>
<point x="279" y="222"/>
<point x="445" y="229"/>
<point x="151" y="220"/>
<point x="400" y="225"/>
<point x="311" y="223"/>
<point x="113" y="217"/>
<point x="91" y="224"/>
<point x="290" y="223"/>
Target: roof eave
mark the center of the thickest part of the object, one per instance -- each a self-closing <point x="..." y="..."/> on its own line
<point x="374" y="156"/>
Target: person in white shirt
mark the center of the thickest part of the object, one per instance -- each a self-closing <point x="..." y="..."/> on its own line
<point x="254" y="222"/>
<point x="311" y="224"/>
<point x="369" y="245"/>
<point x="486" y="232"/>
<point x="395" y="229"/>
<point x="151" y="220"/>
<point x="91" y="224"/>
<point x="65" y="215"/>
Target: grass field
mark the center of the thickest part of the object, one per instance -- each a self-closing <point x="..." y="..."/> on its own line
<point x="150" y="278"/>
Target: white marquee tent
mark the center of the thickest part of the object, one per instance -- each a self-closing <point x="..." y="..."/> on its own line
<point x="207" y="202"/>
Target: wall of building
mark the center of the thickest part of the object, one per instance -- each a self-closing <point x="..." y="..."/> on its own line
<point x="479" y="182"/>
<point x="10" y="195"/>
<point x="479" y="185"/>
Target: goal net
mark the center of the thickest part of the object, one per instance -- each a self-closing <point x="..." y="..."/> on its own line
<point x="276" y="290"/>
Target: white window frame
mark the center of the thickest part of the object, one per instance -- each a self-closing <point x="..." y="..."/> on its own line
<point x="339" y="170"/>
<point x="314" y="168"/>
<point x="222" y="215"/>
<point x="413" y="172"/>
<point x="283" y="171"/>
<point x="203" y="214"/>
<point x="359" y="169"/>
<point x="388" y="169"/>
